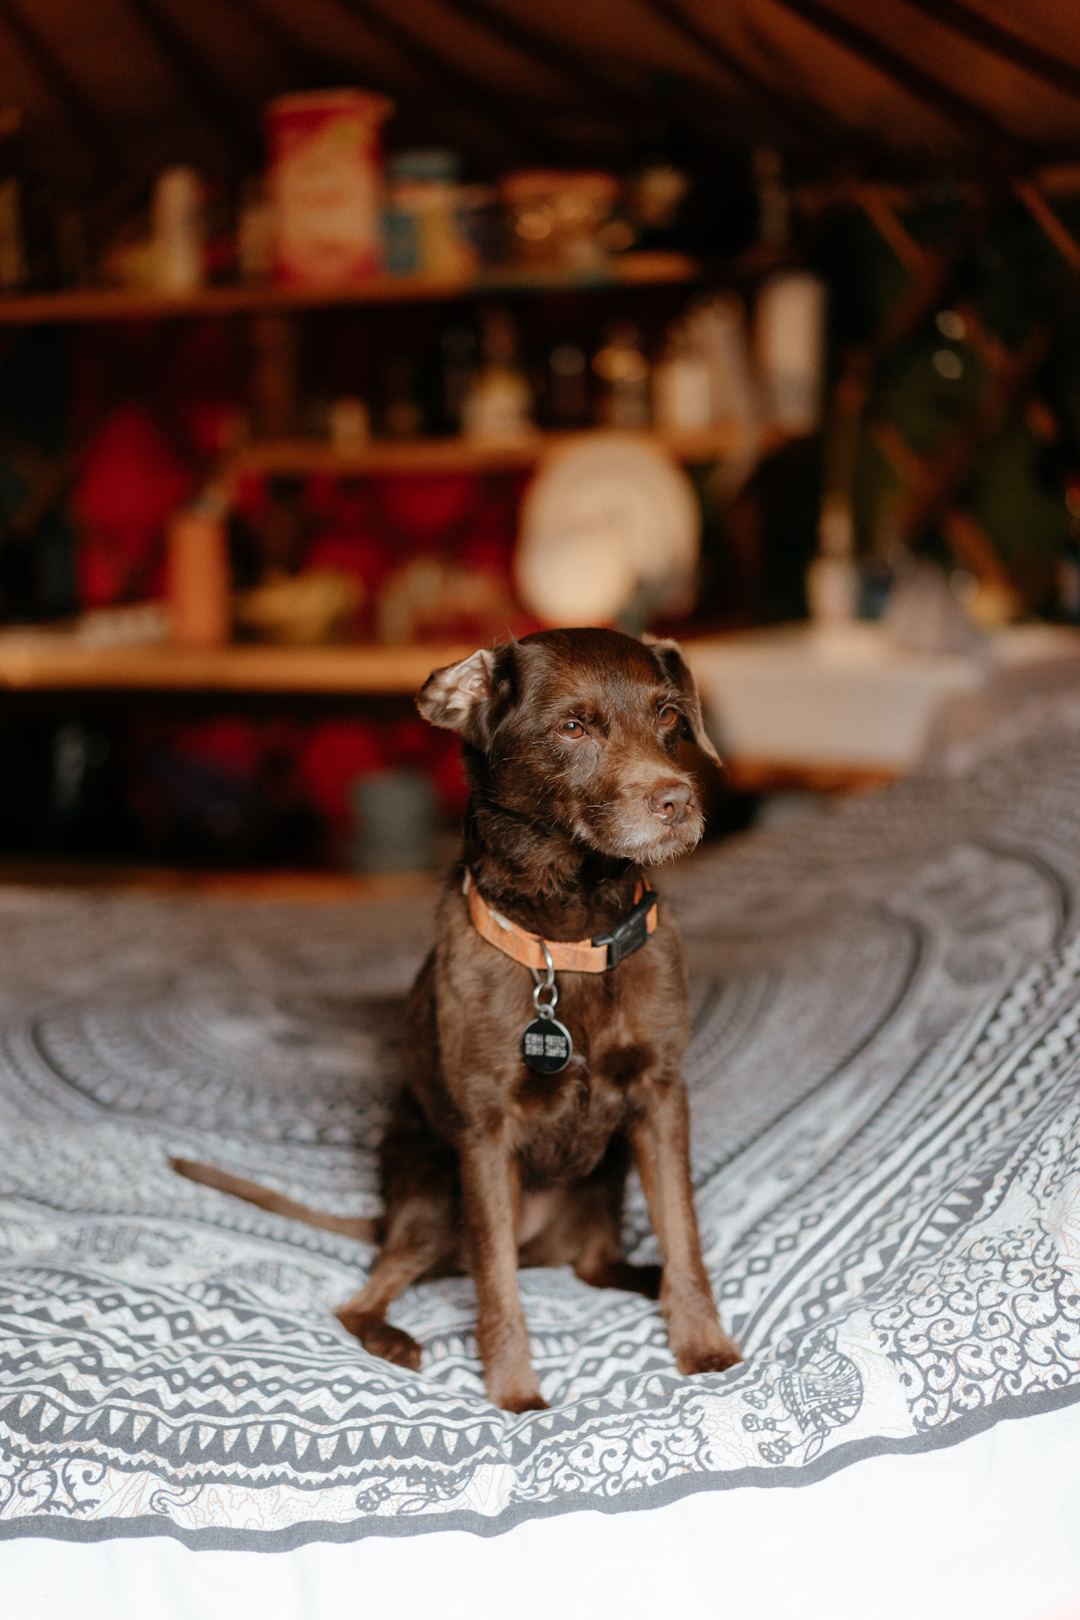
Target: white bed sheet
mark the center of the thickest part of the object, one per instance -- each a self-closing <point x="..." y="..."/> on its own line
<point x="988" y="1529"/>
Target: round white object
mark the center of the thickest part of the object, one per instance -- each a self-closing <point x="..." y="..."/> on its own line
<point x="608" y="521"/>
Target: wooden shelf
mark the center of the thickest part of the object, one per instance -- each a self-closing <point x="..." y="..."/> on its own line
<point x="276" y="887"/>
<point x="95" y="304"/>
<point x="309" y="456"/>
<point x="54" y="662"/>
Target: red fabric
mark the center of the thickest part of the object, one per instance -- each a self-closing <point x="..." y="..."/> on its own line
<point x="422" y="510"/>
<point x="131" y="482"/>
<point x="448" y="775"/>
<point x="233" y="746"/>
<point x="361" y="554"/>
<point x="335" y="753"/>
<point x="210" y="424"/>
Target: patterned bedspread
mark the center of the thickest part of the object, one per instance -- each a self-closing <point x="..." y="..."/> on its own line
<point x="883" y="1076"/>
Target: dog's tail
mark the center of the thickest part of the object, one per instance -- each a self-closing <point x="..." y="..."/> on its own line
<point x="364" y="1231"/>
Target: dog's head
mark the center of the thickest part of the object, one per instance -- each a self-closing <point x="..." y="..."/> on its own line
<point x="578" y="731"/>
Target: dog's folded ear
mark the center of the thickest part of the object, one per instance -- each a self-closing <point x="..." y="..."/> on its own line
<point x="669" y="655"/>
<point x="457" y="697"/>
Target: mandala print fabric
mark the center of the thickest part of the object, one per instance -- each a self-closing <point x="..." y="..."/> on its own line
<point x="883" y="1076"/>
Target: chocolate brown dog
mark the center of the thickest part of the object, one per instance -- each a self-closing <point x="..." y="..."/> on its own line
<point x="512" y="1136"/>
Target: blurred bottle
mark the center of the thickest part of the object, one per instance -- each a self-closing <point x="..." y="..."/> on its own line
<point x="774" y="209"/>
<point x="459" y="360"/>
<point x="499" y="403"/>
<point x="568" y="386"/>
<point x="716" y="330"/>
<point x="682" y="382"/>
<point x="178" y="231"/>
<point x="790" y="343"/>
<point x="832" y="579"/>
<point x="198" y="580"/>
<point x="624" y="372"/>
<point x="255" y="234"/>
<point x="483" y="224"/>
<point x="403" y="417"/>
<point x="348" y="423"/>
<point x="423" y="226"/>
<point x="655" y="193"/>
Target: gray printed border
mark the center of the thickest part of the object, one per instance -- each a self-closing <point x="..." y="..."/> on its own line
<point x="1010" y="1409"/>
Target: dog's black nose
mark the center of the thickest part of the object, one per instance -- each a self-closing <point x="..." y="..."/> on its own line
<point x="670" y="802"/>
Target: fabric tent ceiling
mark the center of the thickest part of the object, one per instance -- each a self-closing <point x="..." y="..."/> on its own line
<point x="115" y="88"/>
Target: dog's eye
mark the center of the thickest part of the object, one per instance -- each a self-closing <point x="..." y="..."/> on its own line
<point x="571" y="728"/>
<point x="668" y="717"/>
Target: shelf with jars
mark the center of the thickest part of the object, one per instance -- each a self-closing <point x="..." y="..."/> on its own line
<point x="305" y="457"/>
<point x="61" y="660"/>
<point x="303" y="435"/>
<point x="97" y="304"/>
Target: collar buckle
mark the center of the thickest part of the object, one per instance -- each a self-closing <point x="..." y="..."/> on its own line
<point x="630" y="932"/>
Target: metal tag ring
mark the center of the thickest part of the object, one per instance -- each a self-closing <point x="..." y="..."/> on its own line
<point x="546" y="1009"/>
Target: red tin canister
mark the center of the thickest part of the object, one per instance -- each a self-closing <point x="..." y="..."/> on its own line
<point x="326" y="186"/>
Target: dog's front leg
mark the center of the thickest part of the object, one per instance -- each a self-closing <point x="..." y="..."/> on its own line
<point x="661" y="1143"/>
<point x="490" y="1193"/>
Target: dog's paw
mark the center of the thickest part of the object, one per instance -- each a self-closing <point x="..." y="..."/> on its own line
<point x="522" y="1402"/>
<point x="717" y="1356"/>
<point x="380" y="1339"/>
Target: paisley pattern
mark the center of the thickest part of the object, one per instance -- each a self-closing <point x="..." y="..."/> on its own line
<point x="884" y="1082"/>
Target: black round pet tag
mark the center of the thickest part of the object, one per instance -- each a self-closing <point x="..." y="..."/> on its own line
<point x="546" y="1045"/>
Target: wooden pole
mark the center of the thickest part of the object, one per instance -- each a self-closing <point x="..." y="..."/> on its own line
<point x="933" y="93"/>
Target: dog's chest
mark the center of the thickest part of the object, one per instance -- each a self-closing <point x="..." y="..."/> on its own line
<point x="563" y="1131"/>
<point x="565" y="1121"/>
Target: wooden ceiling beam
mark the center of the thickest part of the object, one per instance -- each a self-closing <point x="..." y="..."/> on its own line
<point x="939" y="97"/>
<point x="665" y="98"/>
<point x="195" y="80"/>
<point x="806" y="119"/>
<point x="261" y="19"/>
<point x="78" y="111"/>
<point x="1049" y="222"/>
<point x="470" y="91"/>
<point x="533" y="45"/>
<point x="623" y="104"/>
<point x="1003" y="43"/>
<point x="320" y="68"/>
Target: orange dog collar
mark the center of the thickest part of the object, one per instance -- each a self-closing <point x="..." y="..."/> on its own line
<point x="578" y="956"/>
